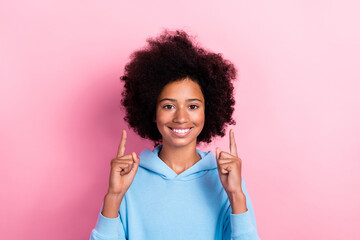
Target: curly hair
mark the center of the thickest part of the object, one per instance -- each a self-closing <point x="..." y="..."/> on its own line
<point x="173" y="56"/>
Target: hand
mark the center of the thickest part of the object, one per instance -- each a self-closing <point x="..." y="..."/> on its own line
<point x="229" y="167"/>
<point x="123" y="169"/>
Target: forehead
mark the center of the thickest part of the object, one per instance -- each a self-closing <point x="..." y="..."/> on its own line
<point x="182" y="89"/>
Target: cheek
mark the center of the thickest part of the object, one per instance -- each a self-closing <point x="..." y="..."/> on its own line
<point x="200" y="118"/>
<point x="160" y="124"/>
<point x="161" y="119"/>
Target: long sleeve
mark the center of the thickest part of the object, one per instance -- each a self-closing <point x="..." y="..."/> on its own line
<point x="241" y="226"/>
<point x="108" y="228"/>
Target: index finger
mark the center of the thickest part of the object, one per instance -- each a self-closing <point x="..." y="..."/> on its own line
<point x="233" y="149"/>
<point x="121" y="150"/>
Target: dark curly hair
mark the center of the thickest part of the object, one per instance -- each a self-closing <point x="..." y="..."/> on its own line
<point x="173" y="56"/>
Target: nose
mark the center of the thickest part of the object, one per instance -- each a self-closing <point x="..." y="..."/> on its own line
<point x="181" y="115"/>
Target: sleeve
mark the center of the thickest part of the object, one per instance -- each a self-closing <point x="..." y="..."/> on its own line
<point x="241" y="226"/>
<point x="108" y="228"/>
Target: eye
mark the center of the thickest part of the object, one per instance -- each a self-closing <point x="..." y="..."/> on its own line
<point x="168" y="106"/>
<point x="194" y="106"/>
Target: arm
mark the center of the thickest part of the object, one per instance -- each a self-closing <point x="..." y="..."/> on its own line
<point x="241" y="226"/>
<point x="109" y="225"/>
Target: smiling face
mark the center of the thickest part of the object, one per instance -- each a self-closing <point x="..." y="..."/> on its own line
<point x="180" y="113"/>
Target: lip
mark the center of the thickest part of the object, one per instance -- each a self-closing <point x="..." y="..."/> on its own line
<point x="180" y="134"/>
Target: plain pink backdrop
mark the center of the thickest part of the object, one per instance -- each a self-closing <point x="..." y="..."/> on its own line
<point x="297" y="108"/>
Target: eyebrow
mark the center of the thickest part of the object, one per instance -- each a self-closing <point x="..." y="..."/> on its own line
<point x="174" y="100"/>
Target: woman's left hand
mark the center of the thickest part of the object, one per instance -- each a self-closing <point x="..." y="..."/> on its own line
<point x="229" y="167"/>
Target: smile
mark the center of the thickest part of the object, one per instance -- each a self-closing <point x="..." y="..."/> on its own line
<point x="181" y="132"/>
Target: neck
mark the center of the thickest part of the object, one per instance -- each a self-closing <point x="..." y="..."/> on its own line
<point x="179" y="158"/>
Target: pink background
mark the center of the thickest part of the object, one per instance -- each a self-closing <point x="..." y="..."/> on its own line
<point x="297" y="111"/>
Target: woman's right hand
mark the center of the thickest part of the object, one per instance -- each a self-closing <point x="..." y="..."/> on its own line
<point x="123" y="169"/>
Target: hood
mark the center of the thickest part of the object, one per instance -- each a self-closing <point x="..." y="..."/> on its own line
<point x="151" y="161"/>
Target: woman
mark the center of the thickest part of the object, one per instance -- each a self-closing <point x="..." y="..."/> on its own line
<point x="177" y="94"/>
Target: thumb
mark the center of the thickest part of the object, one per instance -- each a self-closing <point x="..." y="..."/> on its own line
<point x="136" y="160"/>
<point x="218" y="150"/>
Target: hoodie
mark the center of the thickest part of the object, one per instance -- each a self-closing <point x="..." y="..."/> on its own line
<point x="161" y="204"/>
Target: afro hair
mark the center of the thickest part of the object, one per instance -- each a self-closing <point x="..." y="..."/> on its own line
<point x="173" y="56"/>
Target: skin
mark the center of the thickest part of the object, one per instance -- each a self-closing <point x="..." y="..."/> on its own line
<point x="180" y="104"/>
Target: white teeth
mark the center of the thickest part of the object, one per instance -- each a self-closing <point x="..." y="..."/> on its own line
<point x="181" y="130"/>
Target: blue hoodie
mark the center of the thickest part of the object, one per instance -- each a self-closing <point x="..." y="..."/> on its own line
<point x="160" y="204"/>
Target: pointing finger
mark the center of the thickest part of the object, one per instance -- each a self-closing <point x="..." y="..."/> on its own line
<point x="233" y="149"/>
<point x="121" y="150"/>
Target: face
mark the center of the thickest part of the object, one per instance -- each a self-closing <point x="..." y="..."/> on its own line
<point x="180" y="113"/>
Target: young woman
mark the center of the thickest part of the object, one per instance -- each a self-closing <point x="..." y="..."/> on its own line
<point x="177" y="94"/>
